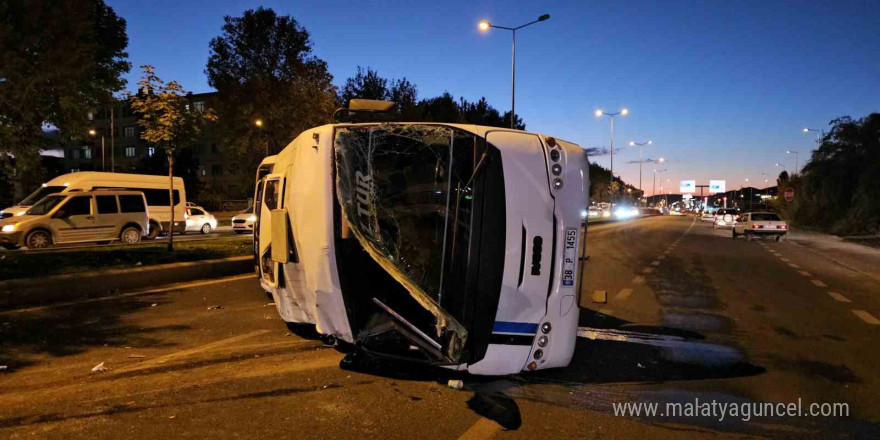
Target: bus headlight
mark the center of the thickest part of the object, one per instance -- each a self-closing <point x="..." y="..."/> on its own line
<point x="557" y="183"/>
<point x="542" y="341"/>
<point x="9" y="228"/>
<point x="545" y="328"/>
<point x="556" y="169"/>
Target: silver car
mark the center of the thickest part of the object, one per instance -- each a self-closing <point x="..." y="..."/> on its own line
<point x="77" y="217"/>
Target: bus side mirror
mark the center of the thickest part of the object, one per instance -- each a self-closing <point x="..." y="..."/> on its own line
<point x="280" y="243"/>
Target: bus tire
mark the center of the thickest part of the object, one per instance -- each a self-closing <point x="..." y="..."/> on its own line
<point x="154" y="231"/>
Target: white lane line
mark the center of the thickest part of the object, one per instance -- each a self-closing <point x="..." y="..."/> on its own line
<point x="182" y="286"/>
<point x="623" y="294"/>
<point x="786" y="260"/>
<point x="648" y="270"/>
<point x="655" y="263"/>
<point x="839" y="297"/>
<point x="638" y="279"/>
<point x="793" y="266"/>
<point x="867" y="317"/>
<point x="805" y="273"/>
<point x="818" y="283"/>
<point x="660" y="257"/>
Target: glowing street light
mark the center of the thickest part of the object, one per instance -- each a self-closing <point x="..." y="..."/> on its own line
<point x="796" y="163"/>
<point x="259" y="123"/>
<point x="93" y="132"/>
<point x="599" y="113"/>
<point x="484" y="26"/>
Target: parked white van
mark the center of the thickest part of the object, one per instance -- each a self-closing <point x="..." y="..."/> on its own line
<point x="155" y="188"/>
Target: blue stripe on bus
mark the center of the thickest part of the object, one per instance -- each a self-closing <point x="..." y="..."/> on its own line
<point x="515" y="327"/>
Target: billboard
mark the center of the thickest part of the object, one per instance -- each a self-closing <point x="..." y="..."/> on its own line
<point x="716" y="186"/>
<point x="687" y="186"/>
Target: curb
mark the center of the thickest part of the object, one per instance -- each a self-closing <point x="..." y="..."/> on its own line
<point x="42" y="291"/>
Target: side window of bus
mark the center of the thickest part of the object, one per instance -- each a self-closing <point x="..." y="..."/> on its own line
<point x="132" y="203"/>
<point x="159" y="197"/>
<point x="271" y="195"/>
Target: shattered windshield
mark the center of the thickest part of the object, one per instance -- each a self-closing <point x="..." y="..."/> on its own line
<point x="403" y="190"/>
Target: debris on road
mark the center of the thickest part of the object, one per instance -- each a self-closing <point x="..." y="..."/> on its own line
<point x="269" y="304"/>
<point x="154" y="305"/>
<point x="3" y="367"/>
<point x="136" y="356"/>
<point x="99" y="368"/>
<point x="217" y="307"/>
<point x="455" y="384"/>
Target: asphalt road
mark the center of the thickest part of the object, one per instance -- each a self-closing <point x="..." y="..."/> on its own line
<point x="691" y="314"/>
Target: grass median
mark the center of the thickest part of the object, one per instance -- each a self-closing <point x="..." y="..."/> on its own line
<point x="14" y="265"/>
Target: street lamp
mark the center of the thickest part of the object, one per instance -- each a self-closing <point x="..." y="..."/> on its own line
<point x="640" y="144"/>
<point x="796" y="163"/>
<point x="93" y="132"/>
<point x="259" y="124"/>
<point x="654" y="189"/>
<point x="484" y="26"/>
<point x="599" y="113"/>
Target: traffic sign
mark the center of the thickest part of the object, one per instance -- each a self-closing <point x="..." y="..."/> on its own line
<point x="716" y="186"/>
<point x="687" y="186"/>
<point x="789" y="194"/>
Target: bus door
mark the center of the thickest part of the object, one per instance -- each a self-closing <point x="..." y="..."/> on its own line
<point x="272" y="198"/>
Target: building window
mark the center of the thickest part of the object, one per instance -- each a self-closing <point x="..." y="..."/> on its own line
<point x="129" y="151"/>
<point x="74" y="170"/>
<point x="74" y="153"/>
<point x="128" y="132"/>
<point x="202" y="170"/>
<point x="216" y="170"/>
<point x="87" y="153"/>
<point x="151" y="151"/>
<point x="199" y="105"/>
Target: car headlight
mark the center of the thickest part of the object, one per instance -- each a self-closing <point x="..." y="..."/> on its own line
<point x="252" y="218"/>
<point x="9" y="228"/>
<point x="21" y="213"/>
<point x="583" y="214"/>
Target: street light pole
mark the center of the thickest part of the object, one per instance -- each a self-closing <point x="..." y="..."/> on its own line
<point x="93" y="132"/>
<point x="259" y="124"/>
<point x="599" y="113"/>
<point x="484" y="26"/>
<point x="640" y="144"/>
<point x="796" y="163"/>
<point x="654" y="189"/>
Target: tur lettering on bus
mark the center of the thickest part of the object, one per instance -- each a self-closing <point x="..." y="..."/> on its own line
<point x="364" y="189"/>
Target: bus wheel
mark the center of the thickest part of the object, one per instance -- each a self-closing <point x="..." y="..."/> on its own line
<point x="130" y="235"/>
<point x="154" y="231"/>
<point x="38" y="239"/>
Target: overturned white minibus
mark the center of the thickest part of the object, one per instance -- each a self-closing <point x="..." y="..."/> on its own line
<point x="454" y="245"/>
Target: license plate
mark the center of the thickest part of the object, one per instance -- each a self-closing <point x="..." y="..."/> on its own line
<point x="569" y="256"/>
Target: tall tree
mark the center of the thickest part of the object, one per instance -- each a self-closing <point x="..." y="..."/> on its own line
<point x="365" y="84"/>
<point x="58" y="61"/>
<point x="167" y="121"/>
<point x="263" y="68"/>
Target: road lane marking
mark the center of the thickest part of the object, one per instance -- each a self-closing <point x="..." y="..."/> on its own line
<point x="804" y="273"/>
<point x="793" y="266"/>
<point x="623" y="294"/>
<point x="867" y="317"/>
<point x="483" y="429"/>
<point x="181" y="286"/>
<point x="638" y="279"/>
<point x="183" y="353"/>
<point x="839" y="297"/>
<point x="660" y="257"/>
<point x="648" y="270"/>
<point x="818" y="283"/>
<point x="655" y="263"/>
<point x="786" y="260"/>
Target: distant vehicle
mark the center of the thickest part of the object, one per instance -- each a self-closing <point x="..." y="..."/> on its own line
<point x="244" y="221"/>
<point x="725" y="218"/>
<point x="75" y="217"/>
<point x="199" y="220"/>
<point x="623" y="212"/>
<point x="594" y="212"/>
<point x="445" y="244"/>
<point x="155" y="189"/>
<point x="707" y="216"/>
<point x="760" y="224"/>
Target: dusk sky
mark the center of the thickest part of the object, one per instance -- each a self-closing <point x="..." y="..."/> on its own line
<point x="722" y="88"/>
